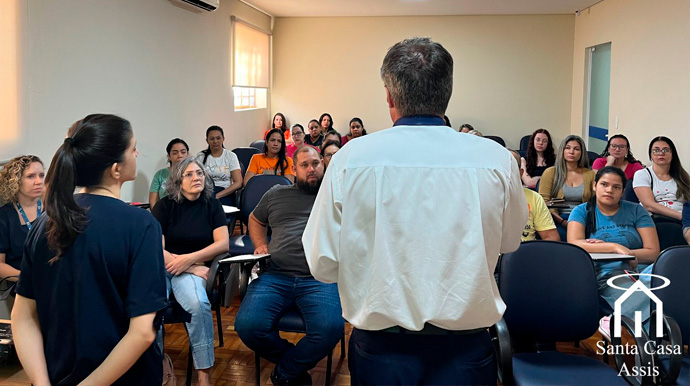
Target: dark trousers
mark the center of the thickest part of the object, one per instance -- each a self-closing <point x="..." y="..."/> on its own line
<point x="386" y="358"/>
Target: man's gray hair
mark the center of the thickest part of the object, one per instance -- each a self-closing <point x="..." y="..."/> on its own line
<point x="418" y="74"/>
<point x="173" y="185"/>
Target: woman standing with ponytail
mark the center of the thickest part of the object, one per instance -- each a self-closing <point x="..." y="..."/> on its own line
<point x="92" y="278"/>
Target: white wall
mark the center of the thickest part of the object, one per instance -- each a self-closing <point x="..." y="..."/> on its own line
<point x="164" y="68"/>
<point x="650" y="70"/>
<point x="513" y="74"/>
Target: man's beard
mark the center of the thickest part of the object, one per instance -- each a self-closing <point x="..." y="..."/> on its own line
<point x="311" y="188"/>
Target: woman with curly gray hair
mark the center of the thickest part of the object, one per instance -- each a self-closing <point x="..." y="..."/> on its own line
<point x="194" y="231"/>
<point x="21" y="188"/>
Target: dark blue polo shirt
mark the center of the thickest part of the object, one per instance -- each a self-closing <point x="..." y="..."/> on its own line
<point x="113" y="271"/>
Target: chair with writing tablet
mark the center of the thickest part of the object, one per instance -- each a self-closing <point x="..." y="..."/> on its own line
<point x="251" y="195"/>
<point x="291" y="321"/>
<point x="673" y="264"/>
<point x="222" y="285"/>
<point x="550" y="290"/>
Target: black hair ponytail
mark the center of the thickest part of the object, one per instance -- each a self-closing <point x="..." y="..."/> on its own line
<point x="92" y="145"/>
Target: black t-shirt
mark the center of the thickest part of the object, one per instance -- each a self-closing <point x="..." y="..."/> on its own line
<point x="188" y="226"/>
<point x="286" y="209"/>
<point x="113" y="271"/>
<point x="12" y="235"/>
<point x="316" y="143"/>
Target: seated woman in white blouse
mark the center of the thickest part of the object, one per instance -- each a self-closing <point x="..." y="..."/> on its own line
<point x="664" y="187"/>
<point x="221" y="165"/>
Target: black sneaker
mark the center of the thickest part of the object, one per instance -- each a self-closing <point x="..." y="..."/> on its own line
<point x="303" y="379"/>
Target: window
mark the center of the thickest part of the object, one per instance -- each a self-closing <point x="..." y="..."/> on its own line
<point x="251" y="57"/>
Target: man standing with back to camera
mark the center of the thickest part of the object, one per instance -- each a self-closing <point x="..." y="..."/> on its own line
<point x="410" y="222"/>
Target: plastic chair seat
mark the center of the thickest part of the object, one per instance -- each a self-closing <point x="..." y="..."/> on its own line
<point x="555" y="368"/>
<point x="292" y="322"/>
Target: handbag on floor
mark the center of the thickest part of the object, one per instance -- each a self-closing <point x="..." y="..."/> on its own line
<point x="168" y="371"/>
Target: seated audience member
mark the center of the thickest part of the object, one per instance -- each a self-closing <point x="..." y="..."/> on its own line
<point x="465" y="128"/>
<point x="475" y="132"/>
<point x="297" y="140"/>
<point x="222" y="166"/>
<point x="607" y="224"/>
<point x="21" y="187"/>
<point x="447" y="120"/>
<point x="539" y="216"/>
<point x="279" y="122"/>
<point x="569" y="179"/>
<point x="326" y="123"/>
<point x="686" y="221"/>
<point x="356" y="130"/>
<point x="332" y="136"/>
<point x="92" y="278"/>
<point x="663" y="187"/>
<point x="618" y="154"/>
<point x="194" y="231"/>
<point x="540" y="155"/>
<point x="273" y="160"/>
<point x="328" y="149"/>
<point x="287" y="283"/>
<point x="177" y="150"/>
<point x="315" y="137"/>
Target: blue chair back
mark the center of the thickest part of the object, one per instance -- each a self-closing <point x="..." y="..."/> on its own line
<point x="258" y="145"/>
<point x="244" y="154"/>
<point x="255" y="189"/>
<point x="674" y="264"/>
<point x="550" y="290"/>
<point x="592" y="157"/>
<point x="496" y="139"/>
<point x="629" y="193"/>
<point x="670" y="235"/>
<point x="524" y="142"/>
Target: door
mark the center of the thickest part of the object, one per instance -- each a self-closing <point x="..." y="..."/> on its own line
<point x="597" y="94"/>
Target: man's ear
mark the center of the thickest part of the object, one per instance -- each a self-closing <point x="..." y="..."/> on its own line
<point x="389" y="100"/>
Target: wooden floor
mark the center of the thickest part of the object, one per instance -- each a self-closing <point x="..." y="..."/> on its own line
<point x="234" y="364"/>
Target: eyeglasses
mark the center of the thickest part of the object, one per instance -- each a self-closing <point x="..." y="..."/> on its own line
<point x="328" y="155"/>
<point x="657" y="151"/>
<point x="297" y="133"/>
<point x="189" y="175"/>
<point x="619" y="147"/>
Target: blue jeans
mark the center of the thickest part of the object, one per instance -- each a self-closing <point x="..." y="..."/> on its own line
<point x="268" y="298"/>
<point x="389" y="358"/>
<point x="190" y="293"/>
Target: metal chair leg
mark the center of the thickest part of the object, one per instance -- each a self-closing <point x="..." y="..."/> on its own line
<point x="342" y="346"/>
<point x="329" y="364"/>
<point x="190" y="366"/>
<point x="220" y="326"/>
<point x="257" y="366"/>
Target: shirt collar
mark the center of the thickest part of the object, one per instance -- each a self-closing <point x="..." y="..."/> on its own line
<point x="420" y="120"/>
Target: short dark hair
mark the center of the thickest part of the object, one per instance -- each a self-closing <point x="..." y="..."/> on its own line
<point x="418" y="74"/>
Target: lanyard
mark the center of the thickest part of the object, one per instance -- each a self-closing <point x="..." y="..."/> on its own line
<point x="26" y="219"/>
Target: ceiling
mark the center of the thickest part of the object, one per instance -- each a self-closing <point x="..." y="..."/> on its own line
<point x="322" y="8"/>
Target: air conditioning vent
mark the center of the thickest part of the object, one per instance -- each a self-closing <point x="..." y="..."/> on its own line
<point x="206" y="5"/>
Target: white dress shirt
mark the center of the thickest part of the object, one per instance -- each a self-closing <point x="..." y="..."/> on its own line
<point x="410" y="221"/>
